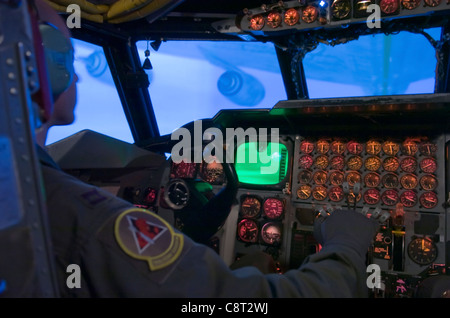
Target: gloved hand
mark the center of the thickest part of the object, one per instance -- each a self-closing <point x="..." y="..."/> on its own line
<point x="346" y="227"/>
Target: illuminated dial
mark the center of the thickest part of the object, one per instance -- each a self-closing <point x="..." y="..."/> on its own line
<point x="409" y="147"/>
<point x="354" y="147"/>
<point x="389" y="6"/>
<point x="320" y="177"/>
<point x="354" y="163"/>
<point x="337" y="163"/>
<point x="291" y="17"/>
<point x="410" y="4"/>
<point x="304" y="192"/>
<point x="428" y="200"/>
<point x="428" y="182"/>
<point x="274" y="19"/>
<point x="372" y="163"/>
<point x="304" y="176"/>
<point x="321" y="162"/>
<point x="408" y="198"/>
<point x="271" y="233"/>
<point x="248" y="231"/>
<point x="323" y="146"/>
<point x="353" y="178"/>
<point x="256" y="22"/>
<point x="183" y="170"/>
<point x="213" y="172"/>
<point x="309" y="14"/>
<point x="273" y="208"/>
<point x="390" y="197"/>
<point x="340" y="8"/>
<point x="422" y="251"/>
<point x="372" y="196"/>
<point x="390" y="148"/>
<point x="305" y="161"/>
<point x="319" y="193"/>
<point x="390" y="180"/>
<point x="336" y="178"/>
<point x="306" y="146"/>
<point x="372" y="180"/>
<point x="250" y="207"/>
<point x="427" y="149"/>
<point x="409" y="164"/>
<point x="373" y="147"/>
<point x="409" y="181"/>
<point x="353" y="197"/>
<point x="150" y="196"/>
<point x="391" y="164"/>
<point x="338" y="147"/>
<point x="336" y="194"/>
<point x="432" y="3"/>
<point x="428" y="165"/>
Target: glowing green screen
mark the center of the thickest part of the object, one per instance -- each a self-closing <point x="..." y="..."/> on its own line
<point x="255" y="167"/>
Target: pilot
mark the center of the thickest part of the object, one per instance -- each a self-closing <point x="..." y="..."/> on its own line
<point x="124" y="251"/>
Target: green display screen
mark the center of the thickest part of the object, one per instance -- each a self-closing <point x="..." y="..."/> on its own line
<point x="261" y="166"/>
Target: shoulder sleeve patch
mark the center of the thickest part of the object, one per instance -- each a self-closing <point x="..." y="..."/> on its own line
<point x="146" y="236"/>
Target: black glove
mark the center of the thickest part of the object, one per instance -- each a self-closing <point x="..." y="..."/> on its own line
<point x="346" y="227"/>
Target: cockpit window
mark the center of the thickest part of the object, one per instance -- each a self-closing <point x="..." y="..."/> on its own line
<point x="193" y="80"/>
<point x="402" y="63"/>
<point x="98" y="104"/>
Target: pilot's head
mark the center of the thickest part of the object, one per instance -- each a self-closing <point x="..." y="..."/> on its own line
<point x="59" y="60"/>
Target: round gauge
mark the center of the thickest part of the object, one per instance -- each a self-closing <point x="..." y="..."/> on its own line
<point x="291" y="17"/>
<point x="408" y="198"/>
<point x="410" y="4"/>
<point x="408" y="164"/>
<point x="428" y="200"/>
<point x="428" y="165"/>
<point x="309" y="14"/>
<point x="183" y="169"/>
<point x="248" y="231"/>
<point x="340" y="8"/>
<point x="354" y="147"/>
<point x="271" y="233"/>
<point x="338" y="147"/>
<point x="256" y="23"/>
<point x="213" y="172"/>
<point x="372" y="180"/>
<point x="390" y="197"/>
<point x="177" y="194"/>
<point x="391" y="164"/>
<point x="304" y="192"/>
<point x="432" y="3"/>
<point x="273" y="208"/>
<point x="409" y="181"/>
<point x="373" y="147"/>
<point x="372" y="196"/>
<point x="250" y="207"/>
<point x="321" y="162"/>
<point x="409" y="147"/>
<point x="336" y="178"/>
<point x="150" y="196"/>
<point x="352" y="198"/>
<point x="354" y="163"/>
<point x="422" y="250"/>
<point x="305" y="161"/>
<point x="274" y="19"/>
<point x="320" y="177"/>
<point x="353" y="178"/>
<point x="306" y="146"/>
<point x="323" y="146"/>
<point x="390" y="148"/>
<point x="389" y="6"/>
<point x="390" y="180"/>
<point x="428" y="182"/>
<point x="304" y="176"/>
<point x="372" y="163"/>
<point x="427" y="149"/>
<point x="319" y="193"/>
<point x="336" y="194"/>
<point x="337" y="163"/>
